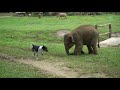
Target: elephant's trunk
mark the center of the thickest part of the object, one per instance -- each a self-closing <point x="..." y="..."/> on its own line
<point x="67" y="47"/>
<point x="67" y="51"/>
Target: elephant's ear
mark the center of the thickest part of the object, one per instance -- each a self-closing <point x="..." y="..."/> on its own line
<point x="72" y="39"/>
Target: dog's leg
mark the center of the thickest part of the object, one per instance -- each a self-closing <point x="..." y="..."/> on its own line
<point x="42" y="55"/>
<point x="34" y="54"/>
<point x="37" y="55"/>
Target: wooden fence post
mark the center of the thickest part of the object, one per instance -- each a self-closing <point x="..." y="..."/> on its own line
<point x="110" y="31"/>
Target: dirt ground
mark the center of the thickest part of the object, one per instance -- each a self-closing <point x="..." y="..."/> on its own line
<point x="54" y="68"/>
<point x="62" y="32"/>
<point x="111" y="42"/>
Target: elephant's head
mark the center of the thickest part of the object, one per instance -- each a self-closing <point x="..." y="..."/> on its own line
<point x="68" y="42"/>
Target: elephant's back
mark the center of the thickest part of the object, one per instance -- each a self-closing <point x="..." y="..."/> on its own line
<point x="87" y="32"/>
<point x="86" y="29"/>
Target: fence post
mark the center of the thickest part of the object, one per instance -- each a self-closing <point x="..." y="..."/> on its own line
<point x="96" y="26"/>
<point x="110" y="31"/>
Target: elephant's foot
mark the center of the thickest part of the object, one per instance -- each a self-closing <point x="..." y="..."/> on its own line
<point x="82" y="52"/>
<point x="77" y="53"/>
<point x="72" y="54"/>
<point x="91" y="52"/>
<point x="95" y="53"/>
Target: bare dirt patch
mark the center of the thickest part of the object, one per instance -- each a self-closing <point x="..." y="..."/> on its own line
<point x="62" y="32"/>
<point x="51" y="68"/>
<point x="114" y="41"/>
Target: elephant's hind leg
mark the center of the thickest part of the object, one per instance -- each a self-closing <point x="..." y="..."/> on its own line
<point x="82" y="52"/>
<point x="90" y="49"/>
<point x="94" y="49"/>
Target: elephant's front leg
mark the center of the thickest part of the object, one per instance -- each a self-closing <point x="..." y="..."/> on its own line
<point x="94" y="49"/>
<point x="67" y="49"/>
<point x="78" y="50"/>
<point x="74" y="54"/>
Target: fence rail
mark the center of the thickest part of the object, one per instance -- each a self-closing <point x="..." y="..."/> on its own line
<point x="110" y="29"/>
<point x="6" y="14"/>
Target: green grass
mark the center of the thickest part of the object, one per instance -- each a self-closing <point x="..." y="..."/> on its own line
<point x="106" y="62"/>
<point x="17" y="33"/>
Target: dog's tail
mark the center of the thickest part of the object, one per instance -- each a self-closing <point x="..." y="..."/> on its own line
<point x="31" y="46"/>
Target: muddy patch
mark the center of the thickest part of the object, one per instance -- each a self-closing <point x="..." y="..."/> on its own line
<point x="113" y="42"/>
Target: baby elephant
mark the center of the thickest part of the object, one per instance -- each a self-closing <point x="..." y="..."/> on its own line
<point x="83" y="35"/>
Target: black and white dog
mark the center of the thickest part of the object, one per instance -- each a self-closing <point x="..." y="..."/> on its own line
<point x="39" y="49"/>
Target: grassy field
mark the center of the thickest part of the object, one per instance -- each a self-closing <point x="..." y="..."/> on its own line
<point x="17" y="34"/>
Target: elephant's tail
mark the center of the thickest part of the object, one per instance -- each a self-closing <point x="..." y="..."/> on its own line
<point x="98" y="43"/>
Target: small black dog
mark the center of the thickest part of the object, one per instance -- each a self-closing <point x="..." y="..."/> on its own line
<point x="39" y="49"/>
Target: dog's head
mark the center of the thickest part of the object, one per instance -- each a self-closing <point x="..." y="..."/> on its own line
<point x="45" y="48"/>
